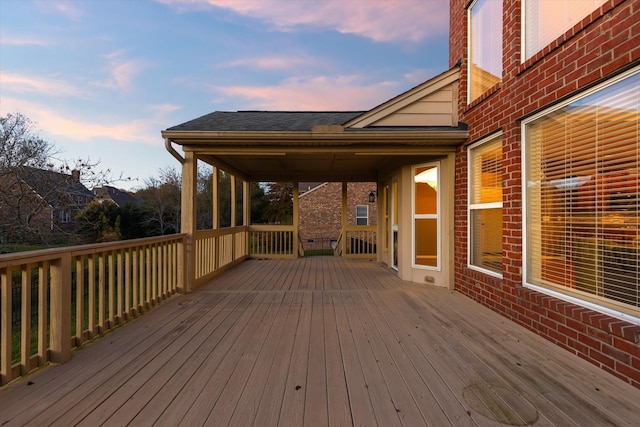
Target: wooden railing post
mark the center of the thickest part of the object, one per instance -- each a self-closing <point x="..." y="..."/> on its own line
<point x="246" y="214"/>
<point x="296" y="219"/>
<point x="5" y="325"/>
<point x="344" y="218"/>
<point x="188" y="218"/>
<point x="60" y="339"/>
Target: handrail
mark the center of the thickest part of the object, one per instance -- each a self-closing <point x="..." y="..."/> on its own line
<point x="73" y="294"/>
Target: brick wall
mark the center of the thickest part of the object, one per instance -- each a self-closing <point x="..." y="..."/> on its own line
<point x="601" y="45"/>
<point x="320" y="210"/>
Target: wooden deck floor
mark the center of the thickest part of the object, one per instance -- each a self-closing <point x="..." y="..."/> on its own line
<point x="316" y="342"/>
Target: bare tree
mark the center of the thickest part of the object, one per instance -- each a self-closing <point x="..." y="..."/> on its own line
<point x="40" y="194"/>
<point x="21" y="146"/>
<point x="161" y="202"/>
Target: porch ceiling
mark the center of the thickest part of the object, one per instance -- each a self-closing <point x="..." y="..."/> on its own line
<point x="329" y="153"/>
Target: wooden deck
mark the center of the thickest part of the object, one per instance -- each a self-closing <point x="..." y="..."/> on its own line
<point x="316" y="342"/>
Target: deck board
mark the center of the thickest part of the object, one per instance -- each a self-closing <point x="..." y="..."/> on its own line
<point x="319" y="341"/>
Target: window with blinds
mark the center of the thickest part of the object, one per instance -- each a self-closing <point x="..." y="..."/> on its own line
<point x="485" y="47"/>
<point x="362" y="215"/>
<point x="582" y="195"/>
<point x="485" y="205"/>
<point x="545" y="21"/>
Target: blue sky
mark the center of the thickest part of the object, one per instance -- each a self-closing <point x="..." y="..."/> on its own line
<point x="102" y="78"/>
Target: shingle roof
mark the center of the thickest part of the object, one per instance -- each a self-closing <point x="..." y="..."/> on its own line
<point x="260" y="121"/>
<point x="52" y="185"/>
<point x="119" y="197"/>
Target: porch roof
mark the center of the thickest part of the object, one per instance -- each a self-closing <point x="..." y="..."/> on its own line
<point x="416" y="126"/>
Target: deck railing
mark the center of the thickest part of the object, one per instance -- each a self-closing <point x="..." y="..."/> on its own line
<point x="55" y="299"/>
<point x="217" y="250"/>
<point x="360" y="241"/>
<point x="272" y="241"/>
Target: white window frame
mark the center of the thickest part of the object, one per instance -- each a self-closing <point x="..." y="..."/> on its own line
<point x="478" y="206"/>
<point x="360" y="216"/>
<point x="436" y="216"/>
<point x="557" y="292"/>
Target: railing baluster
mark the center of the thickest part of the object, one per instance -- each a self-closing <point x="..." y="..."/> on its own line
<point x="25" y="333"/>
<point x="147" y="297"/>
<point x="91" y="309"/>
<point x="120" y="286"/>
<point x="5" y="325"/>
<point x="112" y="290"/>
<point x="165" y="269"/>
<point x="101" y="293"/>
<point x="136" y="278"/>
<point x="80" y="277"/>
<point x="129" y="277"/>
<point x="43" y="320"/>
<point x="154" y="273"/>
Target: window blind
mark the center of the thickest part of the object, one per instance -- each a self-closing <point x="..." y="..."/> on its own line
<point x="485" y="205"/>
<point x="583" y="195"/>
<point x="547" y="20"/>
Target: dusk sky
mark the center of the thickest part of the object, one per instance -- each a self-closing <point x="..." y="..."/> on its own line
<point x="102" y="78"/>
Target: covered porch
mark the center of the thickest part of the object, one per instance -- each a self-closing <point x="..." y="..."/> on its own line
<point x="406" y="146"/>
<point x="319" y="341"/>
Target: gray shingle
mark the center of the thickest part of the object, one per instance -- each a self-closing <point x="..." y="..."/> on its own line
<point x="260" y="121"/>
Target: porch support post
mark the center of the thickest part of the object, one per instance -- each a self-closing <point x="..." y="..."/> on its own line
<point x="246" y="215"/>
<point x="232" y="180"/>
<point x="344" y="218"/>
<point x="296" y="221"/>
<point x="188" y="218"/>
<point x="60" y="338"/>
<point x="215" y="209"/>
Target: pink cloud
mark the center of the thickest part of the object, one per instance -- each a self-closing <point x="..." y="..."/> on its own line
<point x="69" y="9"/>
<point x="273" y="62"/>
<point x="313" y="94"/>
<point x="379" y="20"/>
<point x="23" y="41"/>
<point x="66" y="125"/>
<point x="19" y="83"/>
<point x="121" y="71"/>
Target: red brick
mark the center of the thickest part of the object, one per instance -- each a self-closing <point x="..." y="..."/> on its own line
<point x="616" y="354"/>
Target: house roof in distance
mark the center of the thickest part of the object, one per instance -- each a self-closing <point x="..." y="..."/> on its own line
<point x="117" y="196"/>
<point x="52" y="185"/>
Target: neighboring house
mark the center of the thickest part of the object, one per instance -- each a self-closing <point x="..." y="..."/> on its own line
<point x="320" y="211"/>
<point x="40" y="204"/>
<point x="512" y="177"/>
<point x="114" y="195"/>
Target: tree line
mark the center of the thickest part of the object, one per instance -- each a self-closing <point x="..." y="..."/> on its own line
<point x="41" y="203"/>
